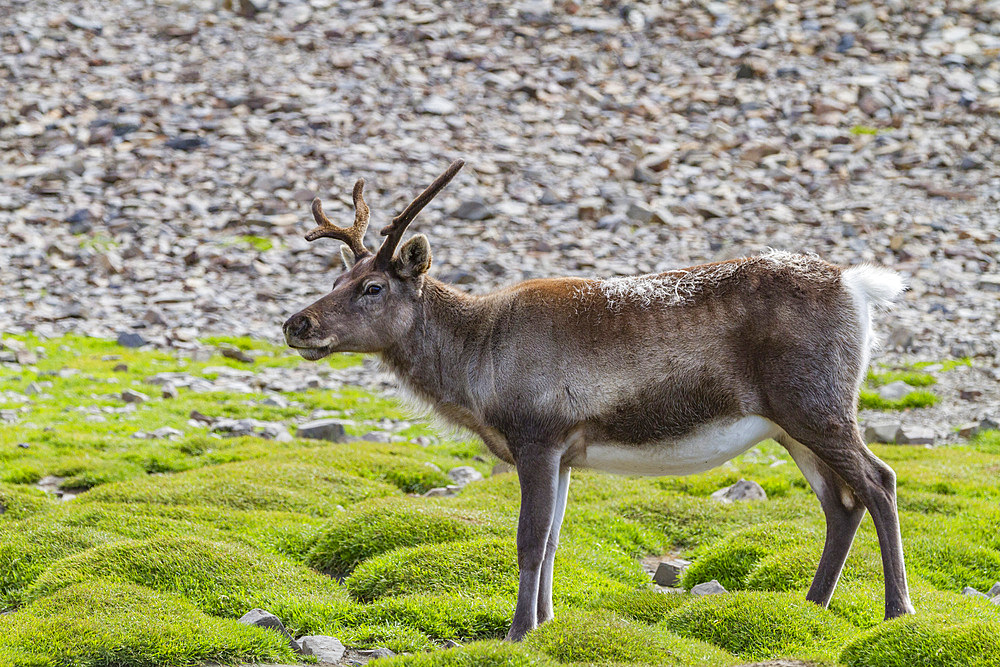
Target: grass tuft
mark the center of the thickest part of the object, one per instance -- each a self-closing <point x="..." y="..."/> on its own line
<point x="603" y="638"/>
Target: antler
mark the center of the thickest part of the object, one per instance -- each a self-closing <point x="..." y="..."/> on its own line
<point x="353" y="236"/>
<point x="394" y="230"/>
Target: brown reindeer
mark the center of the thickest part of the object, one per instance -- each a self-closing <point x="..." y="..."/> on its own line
<point x="666" y="374"/>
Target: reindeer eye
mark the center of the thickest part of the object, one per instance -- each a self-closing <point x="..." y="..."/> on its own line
<point x="373" y="289"/>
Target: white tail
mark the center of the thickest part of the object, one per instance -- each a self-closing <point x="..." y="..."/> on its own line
<point x="874" y="285"/>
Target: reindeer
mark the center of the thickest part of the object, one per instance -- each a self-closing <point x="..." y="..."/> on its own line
<point x="666" y="374"/>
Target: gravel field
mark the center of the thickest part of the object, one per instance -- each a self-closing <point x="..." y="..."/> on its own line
<point x="157" y="160"/>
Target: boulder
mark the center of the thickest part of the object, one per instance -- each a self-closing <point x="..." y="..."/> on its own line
<point x="323" y="429"/>
<point x="262" y="618"/>
<point x="741" y="490"/>
<point x="463" y="475"/>
<point x="916" y="435"/>
<point x="894" y="391"/>
<point x="328" y="650"/>
<point x="886" y="432"/>
<point x="669" y="572"/>
<point x="712" y="587"/>
<point x="129" y="339"/>
<point x="133" y="396"/>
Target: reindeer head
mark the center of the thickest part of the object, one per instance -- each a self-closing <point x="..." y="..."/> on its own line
<point x="374" y="302"/>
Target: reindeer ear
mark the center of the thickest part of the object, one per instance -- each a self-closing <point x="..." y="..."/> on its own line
<point x="414" y="257"/>
<point x="347" y="255"/>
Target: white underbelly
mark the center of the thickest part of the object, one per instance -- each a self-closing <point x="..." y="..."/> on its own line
<point x="707" y="447"/>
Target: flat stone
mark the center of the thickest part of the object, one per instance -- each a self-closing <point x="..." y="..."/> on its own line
<point x="365" y="656"/>
<point x="463" y="475"/>
<point x="669" y="572"/>
<point x="323" y="429"/>
<point x="972" y="592"/>
<point x="712" y="587"/>
<point x="442" y="491"/>
<point x="326" y="649"/>
<point x="894" y="391"/>
<point x="741" y="490"/>
<point x="994" y="590"/>
<point x="262" y="618"/>
<point x="133" y="396"/>
<point x="916" y="435"/>
<point x="437" y="105"/>
<point x="473" y="210"/>
<point x="884" y="432"/>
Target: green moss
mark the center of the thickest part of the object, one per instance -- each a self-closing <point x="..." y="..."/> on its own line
<point x="931" y="641"/>
<point x="952" y="562"/>
<point x="391" y="463"/>
<point x="793" y="569"/>
<point x="480" y="654"/>
<point x="734" y="557"/>
<point x="17" y="503"/>
<point x="101" y="623"/>
<point x="455" y="616"/>
<point x="488" y="566"/>
<point x="381" y="525"/>
<point x="603" y="638"/>
<point x="219" y="578"/>
<point x="757" y="626"/>
<point x="396" y="637"/>
<point x="870" y="400"/>
<point x="299" y="487"/>
<point x="644" y="605"/>
<point x="28" y="547"/>
<point x="987" y="441"/>
<point x="913" y="378"/>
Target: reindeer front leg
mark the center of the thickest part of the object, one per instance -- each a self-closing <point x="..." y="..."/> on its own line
<point x="538" y="473"/>
<point x="551" y="545"/>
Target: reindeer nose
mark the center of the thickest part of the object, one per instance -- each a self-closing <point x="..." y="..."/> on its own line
<point x="298" y="326"/>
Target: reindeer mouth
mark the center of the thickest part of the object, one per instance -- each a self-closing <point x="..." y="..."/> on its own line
<point x="314" y="353"/>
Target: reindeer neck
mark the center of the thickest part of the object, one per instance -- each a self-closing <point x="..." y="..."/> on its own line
<point x="446" y="337"/>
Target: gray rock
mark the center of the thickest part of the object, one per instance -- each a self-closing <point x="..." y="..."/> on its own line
<point x="133" y="396"/>
<point x="996" y="600"/>
<point x="130" y="339"/>
<point x="500" y="468"/>
<point x="669" y="572"/>
<point x="741" y="490"/>
<point x="916" y="435"/>
<point x="169" y="391"/>
<point x="990" y="282"/>
<point x="442" y="491"/>
<point x="463" y="475"/>
<point x="712" y="587"/>
<point x="323" y="429"/>
<point x="326" y="649"/>
<point x="275" y="401"/>
<point x="473" y="210"/>
<point x="885" y="432"/>
<point x="972" y="592"/>
<point x="894" y="391"/>
<point x="994" y="590"/>
<point x="364" y="656"/>
<point x="262" y="618"/>
<point x="437" y="105"/>
<point x="639" y="213"/>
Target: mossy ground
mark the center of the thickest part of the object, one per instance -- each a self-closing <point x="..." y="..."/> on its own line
<point x="170" y="541"/>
